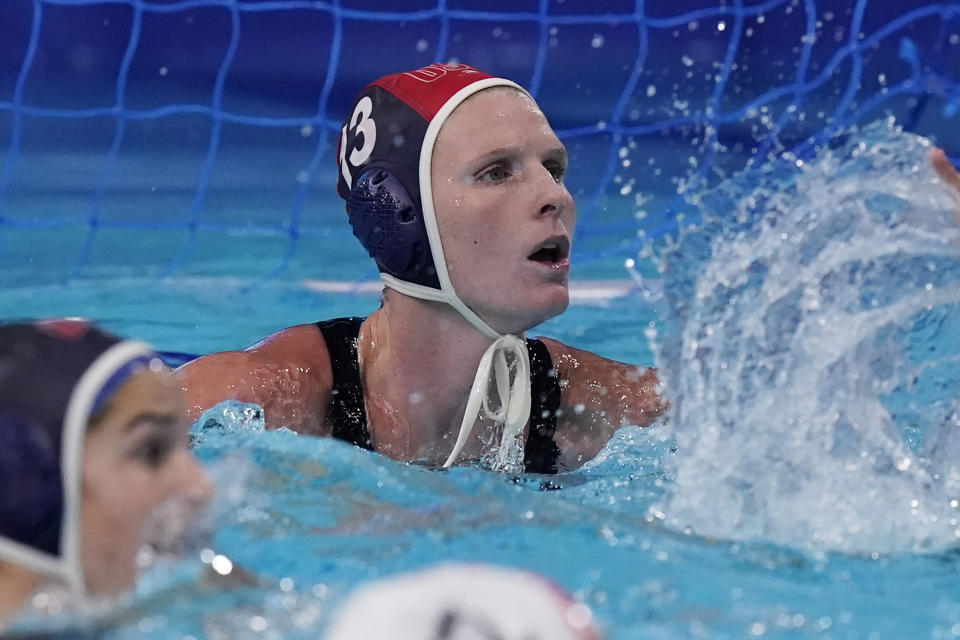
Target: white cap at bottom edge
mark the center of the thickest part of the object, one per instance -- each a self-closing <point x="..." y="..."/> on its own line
<point x="463" y="602"/>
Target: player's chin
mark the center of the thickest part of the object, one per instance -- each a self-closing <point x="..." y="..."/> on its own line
<point x="560" y="299"/>
<point x="549" y="302"/>
<point x="108" y="579"/>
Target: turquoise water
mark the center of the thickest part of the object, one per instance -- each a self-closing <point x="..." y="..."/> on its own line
<point x="803" y="484"/>
<point x="686" y="529"/>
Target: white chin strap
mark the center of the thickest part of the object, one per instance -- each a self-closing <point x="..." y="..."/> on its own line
<point x="504" y="372"/>
<point x="512" y="386"/>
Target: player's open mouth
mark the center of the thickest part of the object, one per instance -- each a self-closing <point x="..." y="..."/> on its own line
<point x="552" y="251"/>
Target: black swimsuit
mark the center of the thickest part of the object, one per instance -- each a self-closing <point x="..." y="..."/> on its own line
<point x="349" y="418"/>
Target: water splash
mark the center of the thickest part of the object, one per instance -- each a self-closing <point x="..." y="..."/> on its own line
<point x="810" y="353"/>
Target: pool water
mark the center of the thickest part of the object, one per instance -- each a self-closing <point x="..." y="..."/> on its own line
<point x="739" y="516"/>
<point x="168" y="173"/>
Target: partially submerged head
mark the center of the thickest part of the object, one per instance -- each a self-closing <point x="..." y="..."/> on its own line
<point x="454" y="184"/>
<point x="92" y="440"/>
<point x="463" y="601"/>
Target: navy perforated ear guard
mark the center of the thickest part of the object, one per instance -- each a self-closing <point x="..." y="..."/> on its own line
<point x="31" y="495"/>
<point x="389" y="224"/>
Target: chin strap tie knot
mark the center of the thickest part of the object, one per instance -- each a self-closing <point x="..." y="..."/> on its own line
<point x="511" y="383"/>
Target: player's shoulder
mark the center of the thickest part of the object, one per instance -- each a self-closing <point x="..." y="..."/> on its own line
<point x="560" y="352"/>
<point x="299" y="345"/>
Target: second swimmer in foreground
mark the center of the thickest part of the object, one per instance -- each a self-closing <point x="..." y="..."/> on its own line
<point x="93" y="446"/>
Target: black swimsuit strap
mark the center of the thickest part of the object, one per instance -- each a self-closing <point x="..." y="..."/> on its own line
<point x="348" y="415"/>
<point x="541" y="451"/>
<point x="346" y="410"/>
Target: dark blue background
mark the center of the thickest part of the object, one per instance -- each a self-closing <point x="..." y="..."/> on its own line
<point x="223" y="115"/>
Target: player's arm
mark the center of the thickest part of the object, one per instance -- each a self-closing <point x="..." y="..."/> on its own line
<point x="287" y="374"/>
<point x="947" y="172"/>
<point x="598" y="397"/>
<point x="944" y="169"/>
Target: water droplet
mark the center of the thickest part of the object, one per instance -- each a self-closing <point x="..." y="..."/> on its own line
<point x="221" y="564"/>
<point x="579" y="616"/>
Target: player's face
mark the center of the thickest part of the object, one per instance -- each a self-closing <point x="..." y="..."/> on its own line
<point x="505" y="217"/>
<point x="135" y="459"/>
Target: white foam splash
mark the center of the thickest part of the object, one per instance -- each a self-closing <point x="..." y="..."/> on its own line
<point x="812" y="403"/>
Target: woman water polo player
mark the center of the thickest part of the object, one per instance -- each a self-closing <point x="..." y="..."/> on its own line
<point x="453" y="182"/>
<point x="92" y="440"/>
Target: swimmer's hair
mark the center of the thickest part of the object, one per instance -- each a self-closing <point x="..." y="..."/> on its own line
<point x="55" y="378"/>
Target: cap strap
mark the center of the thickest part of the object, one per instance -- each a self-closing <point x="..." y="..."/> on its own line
<point x="512" y="386"/>
<point x="75" y="419"/>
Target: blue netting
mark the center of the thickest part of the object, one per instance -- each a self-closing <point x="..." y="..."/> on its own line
<point x="169" y="136"/>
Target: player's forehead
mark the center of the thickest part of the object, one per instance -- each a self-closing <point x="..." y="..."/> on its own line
<point x="495" y="118"/>
<point x="494" y="107"/>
